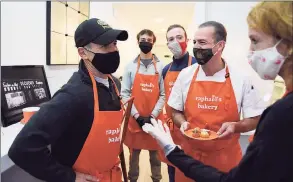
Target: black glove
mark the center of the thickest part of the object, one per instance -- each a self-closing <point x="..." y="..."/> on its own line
<point x="148" y="120"/>
<point x="142" y="120"/>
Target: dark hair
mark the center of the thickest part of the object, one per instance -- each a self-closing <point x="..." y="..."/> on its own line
<point x="220" y="30"/>
<point x="176" y="26"/>
<point x="148" y="32"/>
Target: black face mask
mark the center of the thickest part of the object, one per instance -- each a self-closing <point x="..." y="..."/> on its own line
<point x="106" y="63"/>
<point x="203" y="55"/>
<point x="145" y="47"/>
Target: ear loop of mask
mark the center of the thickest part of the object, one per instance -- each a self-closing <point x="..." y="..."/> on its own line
<point x="285" y="57"/>
<point x="89" y="50"/>
<point x="275" y="46"/>
<point x="278" y="43"/>
<point x="213" y="47"/>
<point x="89" y="62"/>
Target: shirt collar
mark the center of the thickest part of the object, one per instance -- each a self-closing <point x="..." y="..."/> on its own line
<point x="156" y="59"/>
<point x="219" y="73"/>
<point x="186" y="55"/>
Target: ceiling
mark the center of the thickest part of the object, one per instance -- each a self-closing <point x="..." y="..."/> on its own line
<point x="154" y="16"/>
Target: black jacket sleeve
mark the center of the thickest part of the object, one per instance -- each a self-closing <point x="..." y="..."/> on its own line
<point x="268" y="158"/>
<point x="30" y="148"/>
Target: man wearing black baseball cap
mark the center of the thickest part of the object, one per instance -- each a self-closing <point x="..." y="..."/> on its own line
<point x="82" y="121"/>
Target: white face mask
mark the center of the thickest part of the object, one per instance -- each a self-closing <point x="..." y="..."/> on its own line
<point x="267" y="62"/>
<point x="177" y="48"/>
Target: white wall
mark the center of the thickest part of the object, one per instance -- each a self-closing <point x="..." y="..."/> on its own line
<point x="127" y="49"/>
<point x="23" y="33"/>
<point x="23" y="40"/>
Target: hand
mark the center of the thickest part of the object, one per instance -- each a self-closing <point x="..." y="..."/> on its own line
<point x="159" y="132"/>
<point x="227" y="129"/>
<point x="184" y="126"/>
<point x="142" y="120"/>
<point x="81" y="177"/>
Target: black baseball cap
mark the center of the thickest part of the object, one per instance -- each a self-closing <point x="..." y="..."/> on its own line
<point x="97" y="31"/>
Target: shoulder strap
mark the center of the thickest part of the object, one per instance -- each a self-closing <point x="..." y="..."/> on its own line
<point x="117" y="91"/>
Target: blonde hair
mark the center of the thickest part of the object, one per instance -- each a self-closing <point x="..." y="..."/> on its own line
<point x="273" y="18"/>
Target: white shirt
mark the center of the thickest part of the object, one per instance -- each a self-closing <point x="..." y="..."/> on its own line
<point x="248" y="98"/>
<point x="103" y="81"/>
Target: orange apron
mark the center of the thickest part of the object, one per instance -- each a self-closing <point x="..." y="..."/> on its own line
<point x="146" y="91"/>
<point x="208" y="105"/>
<point x="104" y="136"/>
<point x="250" y="139"/>
<point x="170" y="78"/>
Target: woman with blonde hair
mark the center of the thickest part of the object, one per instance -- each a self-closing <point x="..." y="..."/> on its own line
<point x="269" y="158"/>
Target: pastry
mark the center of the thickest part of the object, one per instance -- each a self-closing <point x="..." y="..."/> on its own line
<point x="204" y="134"/>
<point x="206" y="130"/>
<point x="196" y="132"/>
<point x="196" y="135"/>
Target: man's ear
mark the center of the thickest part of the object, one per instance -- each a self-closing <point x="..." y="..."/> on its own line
<point x="223" y="43"/>
<point x="82" y="54"/>
<point x="220" y="46"/>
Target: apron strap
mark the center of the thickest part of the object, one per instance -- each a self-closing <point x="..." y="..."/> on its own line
<point x="153" y="61"/>
<point x="189" y="60"/>
<point x="195" y="74"/>
<point x="117" y="92"/>
<point x="155" y="65"/>
<point x="138" y="64"/>
<point x="95" y="90"/>
<point x="96" y="95"/>
<point x="227" y="77"/>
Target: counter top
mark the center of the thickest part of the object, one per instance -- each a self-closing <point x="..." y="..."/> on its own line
<point x="8" y="134"/>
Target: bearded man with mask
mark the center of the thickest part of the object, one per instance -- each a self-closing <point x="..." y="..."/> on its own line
<point x="143" y="80"/>
<point x="177" y="43"/>
<point x="80" y="120"/>
<point x="211" y="95"/>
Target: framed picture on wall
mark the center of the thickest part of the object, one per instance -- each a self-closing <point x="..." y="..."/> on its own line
<point x="63" y="17"/>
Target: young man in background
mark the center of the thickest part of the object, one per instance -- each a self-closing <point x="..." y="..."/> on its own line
<point x="177" y="43"/>
<point x="143" y="80"/>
